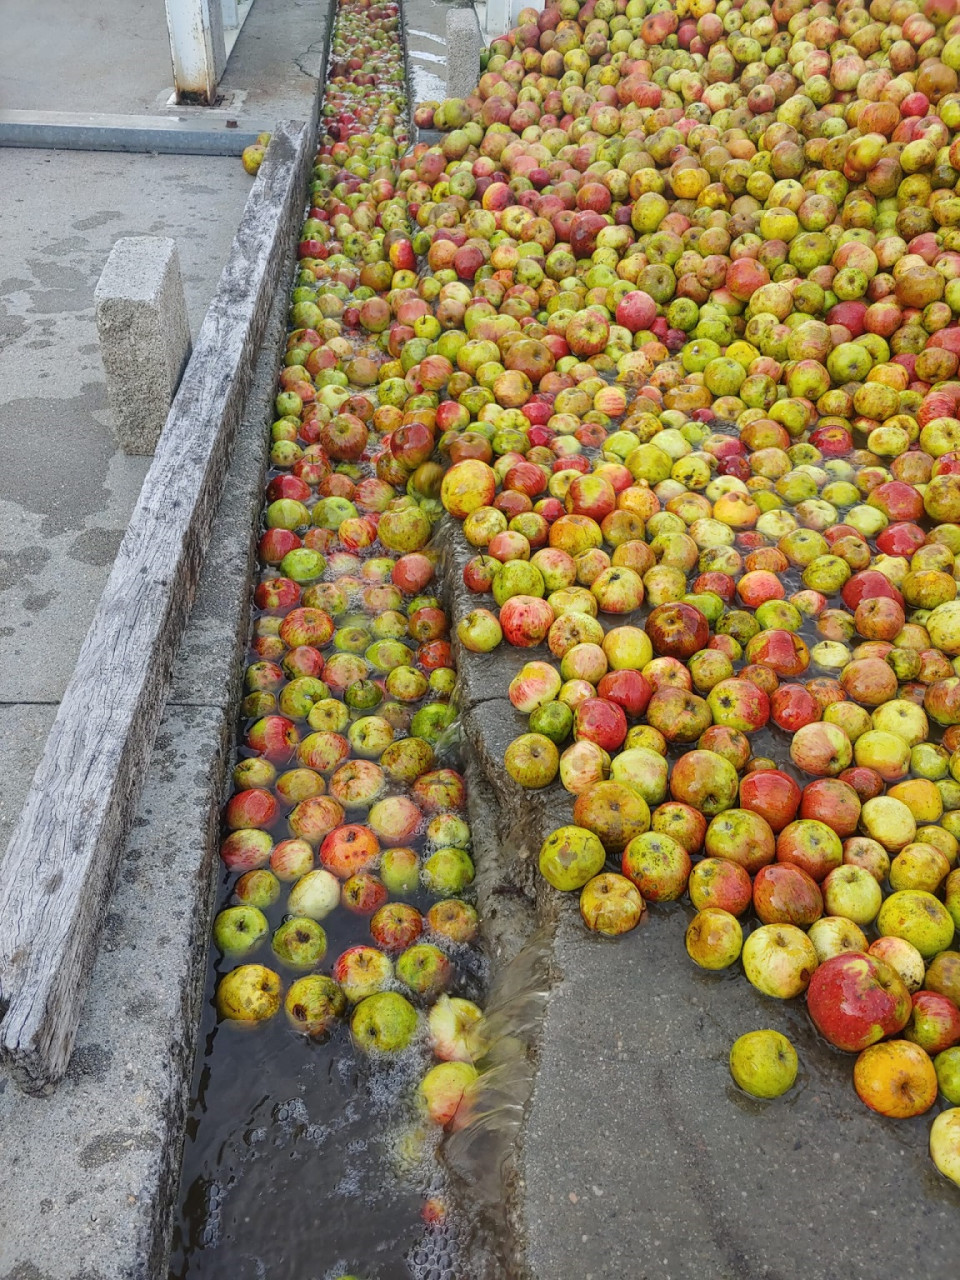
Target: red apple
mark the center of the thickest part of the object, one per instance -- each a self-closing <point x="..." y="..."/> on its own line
<point x="855" y="1000"/>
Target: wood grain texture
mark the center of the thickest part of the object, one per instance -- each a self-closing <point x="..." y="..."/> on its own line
<point x="58" y="871"/>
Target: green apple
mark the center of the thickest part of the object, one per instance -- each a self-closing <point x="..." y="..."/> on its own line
<point x="763" y="1063"/>
<point x="259" y="888"/>
<point x="238" y="930"/>
<point x="447" y="872"/>
<point x="947" y="1066"/>
<point x="424" y="969"/>
<point x="300" y="943"/>
<point x="384" y="1023"/>
<point x="945" y="1143"/>
<point x="400" y="870"/>
<point x="314" y="1004"/>
<point x="570" y="856"/>
<point x="918" y="917"/>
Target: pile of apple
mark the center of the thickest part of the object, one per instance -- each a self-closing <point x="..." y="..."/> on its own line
<point x="669" y="321"/>
<point x="344" y="818"/>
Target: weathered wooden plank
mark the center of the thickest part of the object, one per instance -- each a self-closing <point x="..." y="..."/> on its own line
<point x="57" y="874"/>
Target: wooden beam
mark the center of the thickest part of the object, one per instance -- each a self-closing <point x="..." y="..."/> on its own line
<point x="57" y="874"/>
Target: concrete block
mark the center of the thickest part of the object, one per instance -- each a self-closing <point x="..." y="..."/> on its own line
<point x="144" y="336"/>
<point x="464" y="44"/>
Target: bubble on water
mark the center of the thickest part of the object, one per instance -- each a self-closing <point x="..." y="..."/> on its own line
<point x="254" y="1137"/>
<point x="291" y="1113"/>
<point x="317" y="1134"/>
<point x="436" y="1255"/>
<point x="212" y="1232"/>
<point x="350" y="1185"/>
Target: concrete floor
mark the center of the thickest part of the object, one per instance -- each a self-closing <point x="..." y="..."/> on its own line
<point x="106" y="55"/>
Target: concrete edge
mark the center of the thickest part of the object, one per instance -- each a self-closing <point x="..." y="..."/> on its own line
<point x="519" y="920"/>
<point x="169" y="135"/>
<point x="88" y="782"/>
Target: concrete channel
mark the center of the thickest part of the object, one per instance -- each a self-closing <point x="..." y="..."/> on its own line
<point x="621" y="1148"/>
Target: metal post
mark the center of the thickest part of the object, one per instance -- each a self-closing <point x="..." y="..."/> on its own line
<point x="197" y="47"/>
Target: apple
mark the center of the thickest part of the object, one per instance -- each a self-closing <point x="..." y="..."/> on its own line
<point x="742" y="837"/>
<point x="447" y="872"/>
<point x="682" y="823"/>
<point x="455" y="1029"/>
<point x="255" y="807"/>
<point x="718" y="882"/>
<point x="945" y="1143"/>
<point x="383" y="1023"/>
<point x="852" y="892"/>
<point x="739" y="704"/>
<point x="821" y="749"/>
<point x="534" y="686"/>
<point x="570" y="856"/>
<point x="424" y="969"/>
<point x="763" y="1063"/>
<point x="445" y="1092"/>
<point x="479" y="631"/>
<point x="834" y="936"/>
<point x="779" y="960"/>
<point x="259" y="888"/>
<point x="455" y="920"/>
<point x="856" y="1000"/>
<point x="810" y="845"/>
<point x="314" y="895"/>
<point x="614" y="812"/>
<point x="246" y="850"/>
<point x="314" y="1004"/>
<point x="943" y="975"/>
<point x="934" y="1023"/>
<point x="291" y="859"/>
<point x="706" y="781"/>
<point x="947" y="1066"/>
<point x="644" y="770"/>
<point x="361" y="971"/>
<point x="919" y="918"/>
<point x="772" y="794"/>
<point x="400" y="870"/>
<point x="714" y="938"/>
<point x="658" y="865"/>
<point x="239" y="930"/>
<point x="677" y="630"/>
<point x="903" y="958"/>
<point x="784" y="894"/>
<point x="896" y="1078"/>
<point x="532" y="760"/>
<point x="250" y="993"/>
<point x="300" y="943"/>
<point x="526" y="620"/>
<point x="610" y="904"/>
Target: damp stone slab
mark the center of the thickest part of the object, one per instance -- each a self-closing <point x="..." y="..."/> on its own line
<point x="144" y="336"/>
